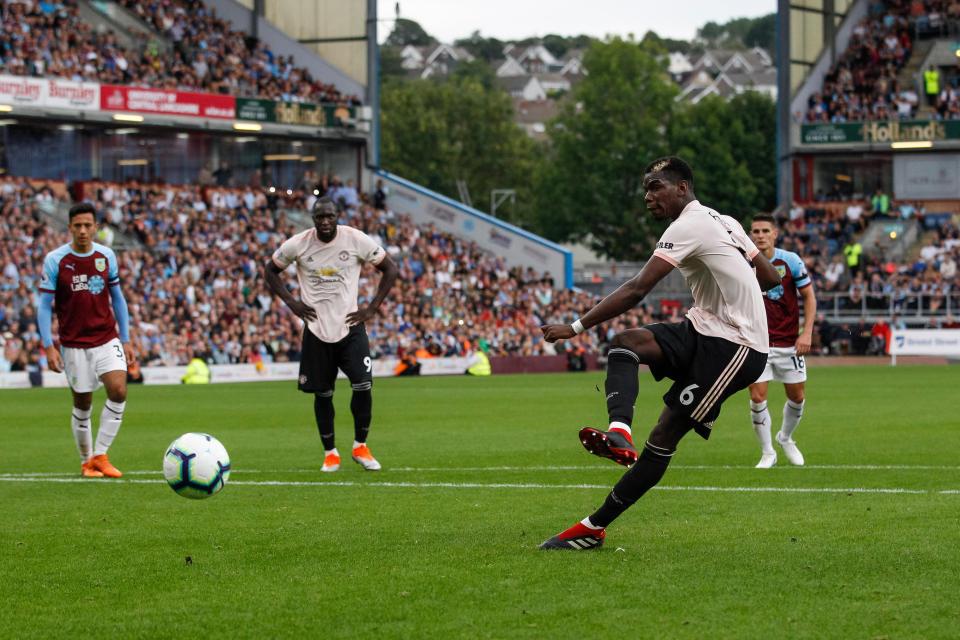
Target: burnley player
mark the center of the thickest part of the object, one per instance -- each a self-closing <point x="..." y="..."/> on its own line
<point x="785" y="363"/>
<point x="81" y="281"/>
<point x="719" y="349"/>
<point x="329" y="259"/>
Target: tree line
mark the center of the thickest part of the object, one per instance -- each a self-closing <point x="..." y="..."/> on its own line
<point x="584" y="183"/>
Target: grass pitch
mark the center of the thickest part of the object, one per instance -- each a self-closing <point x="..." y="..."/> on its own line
<point x="862" y="543"/>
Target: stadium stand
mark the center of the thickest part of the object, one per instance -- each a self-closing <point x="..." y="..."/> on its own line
<point x="192" y="284"/>
<point x="51" y="39"/>
<point x="866" y="82"/>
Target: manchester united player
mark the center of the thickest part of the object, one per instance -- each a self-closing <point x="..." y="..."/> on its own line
<point x="787" y="349"/>
<point x="77" y="280"/>
<point x="329" y="259"/>
<point x="719" y="348"/>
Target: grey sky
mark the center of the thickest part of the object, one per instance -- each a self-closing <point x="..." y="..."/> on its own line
<point x="448" y="20"/>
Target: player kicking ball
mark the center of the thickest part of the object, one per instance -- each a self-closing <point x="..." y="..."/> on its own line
<point x="81" y="280"/>
<point x="719" y="349"/>
<point x="329" y="259"/>
<point x="785" y="363"/>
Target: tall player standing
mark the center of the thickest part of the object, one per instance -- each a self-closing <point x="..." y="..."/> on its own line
<point x="329" y="259"/>
<point x="77" y="280"/>
<point x="719" y="349"/>
<point x="785" y="363"/>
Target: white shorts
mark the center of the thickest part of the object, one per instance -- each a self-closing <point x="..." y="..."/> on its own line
<point x="85" y="366"/>
<point x="784" y="365"/>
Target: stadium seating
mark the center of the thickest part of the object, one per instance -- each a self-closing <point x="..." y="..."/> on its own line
<point x="193" y="283"/>
<point x="863" y="83"/>
<point x="50" y="39"/>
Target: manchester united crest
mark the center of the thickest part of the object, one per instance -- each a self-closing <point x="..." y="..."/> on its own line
<point x="100" y="264"/>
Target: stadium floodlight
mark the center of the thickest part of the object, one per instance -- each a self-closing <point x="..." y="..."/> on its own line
<point x="4" y="123"/>
<point x="127" y="117"/>
<point x="6" y="108"/>
<point x="247" y="126"/>
<point x="916" y="144"/>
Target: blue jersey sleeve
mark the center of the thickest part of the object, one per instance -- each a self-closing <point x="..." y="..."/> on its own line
<point x="798" y="270"/>
<point x="120" y="312"/>
<point x="45" y="318"/>
<point x="48" y="279"/>
<point x="113" y="268"/>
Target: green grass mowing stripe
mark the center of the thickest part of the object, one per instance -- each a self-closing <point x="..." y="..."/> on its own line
<point x="443" y="562"/>
<point x="482" y="485"/>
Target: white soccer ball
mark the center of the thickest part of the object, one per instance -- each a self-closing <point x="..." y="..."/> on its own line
<point x="196" y="465"/>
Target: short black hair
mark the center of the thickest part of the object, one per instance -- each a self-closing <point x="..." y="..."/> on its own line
<point x="764" y="217"/>
<point x="83" y="207"/>
<point x="325" y="200"/>
<point x="673" y="168"/>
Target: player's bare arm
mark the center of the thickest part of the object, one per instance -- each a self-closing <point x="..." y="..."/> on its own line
<point x="626" y="297"/>
<point x="388" y="276"/>
<point x="271" y="274"/>
<point x="809" y="314"/>
<point x="767" y="276"/>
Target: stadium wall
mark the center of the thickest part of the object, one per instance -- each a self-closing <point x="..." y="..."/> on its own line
<point x="517" y="246"/>
<point x="289" y="371"/>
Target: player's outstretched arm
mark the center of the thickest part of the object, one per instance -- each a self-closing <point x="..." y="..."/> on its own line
<point x="271" y="274"/>
<point x="388" y="276"/>
<point x="767" y="276"/>
<point x="626" y="297"/>
<point x="45" y="326"/>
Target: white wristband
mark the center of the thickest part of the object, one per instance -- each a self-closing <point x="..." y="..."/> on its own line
<point x="577" y="326"/>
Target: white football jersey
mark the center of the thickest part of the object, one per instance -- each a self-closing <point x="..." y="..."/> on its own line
<point x="712" y="252"/>
<point x="329" y="275"/>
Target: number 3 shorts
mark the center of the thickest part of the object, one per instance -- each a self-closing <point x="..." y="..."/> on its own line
<point x="85" y="366"/>
<point x="706" y="371"/>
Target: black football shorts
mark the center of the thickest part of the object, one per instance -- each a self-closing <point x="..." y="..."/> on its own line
<point x="706" y="371"/>
<point x="319" y="361"/>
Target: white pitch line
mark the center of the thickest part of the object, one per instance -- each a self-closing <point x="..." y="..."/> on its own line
<point x="495" y="485"/>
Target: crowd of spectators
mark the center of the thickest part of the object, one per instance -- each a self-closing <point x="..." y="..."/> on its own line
<point x="855" y="279"/>
<point x="193" y="286"/>
<point x="863" y="84"/>
<point x="49" y="38"/>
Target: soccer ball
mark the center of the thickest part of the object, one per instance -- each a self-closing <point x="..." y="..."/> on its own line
<point x="196" y="465"/>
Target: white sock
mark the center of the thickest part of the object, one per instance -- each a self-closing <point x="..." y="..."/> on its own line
<point x="358" y="444"/>
<point x="792" y="412"/>
<point x="80" y="423"/>
<point x="621" y="427"/>
<point x="761" y="425"/>
<point x="110" y="419"/>
<point x="586" y="522"/>
<point x="334" y="451"/>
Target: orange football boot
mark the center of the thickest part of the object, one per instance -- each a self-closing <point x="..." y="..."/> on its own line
<point x="102" y="464"/>
<point x="87" y="470"/>
<point x="363" y="457"/>
<point x="331" y="463"/>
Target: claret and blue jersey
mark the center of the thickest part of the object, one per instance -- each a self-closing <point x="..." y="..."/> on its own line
<point x="84" y="296"/>
<point x="782" y="302"/>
